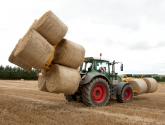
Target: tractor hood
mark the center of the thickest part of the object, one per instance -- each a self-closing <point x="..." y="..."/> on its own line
<point x="88" y="76"/>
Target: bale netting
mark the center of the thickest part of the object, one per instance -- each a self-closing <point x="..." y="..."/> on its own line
<point x="35" y="50"/>
<point x="152" y="84"/>
<point x="61" y="79"/>
<point x="42" y="81"/>
<point x="69" y="54"/>
<point x="17" y="61"/>
<point x="51" y="27"/>
<point x="139" y="86"/>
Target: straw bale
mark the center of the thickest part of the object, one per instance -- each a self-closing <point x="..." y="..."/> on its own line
<point x="139" y="85"/>
<point x="69" y="54"/>
<point x="61" y="79"/>
<point x="152" y="84"/>
<point x="51" y="27"/>
<point x="35" y="50"/>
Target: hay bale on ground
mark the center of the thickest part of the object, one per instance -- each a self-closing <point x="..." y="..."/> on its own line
<point x="51" y="27"/>
<point x="19" y="62"/>
<point x="35" y="50"/>
<point x="42" y="81"/>
<point x="139" y="85"/>
<point x="152" y="84"/>
<point x="69" y="54"/>
<point x="61" y="79"/>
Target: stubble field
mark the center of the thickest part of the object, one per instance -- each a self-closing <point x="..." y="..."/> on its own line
<point x="21" y="103"/>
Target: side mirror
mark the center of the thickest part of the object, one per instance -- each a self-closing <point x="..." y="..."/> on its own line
<point x="121" y="67"/>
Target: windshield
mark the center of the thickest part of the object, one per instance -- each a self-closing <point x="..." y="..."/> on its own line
<point x="102" y="66"/>
<point x="86" y="66"/>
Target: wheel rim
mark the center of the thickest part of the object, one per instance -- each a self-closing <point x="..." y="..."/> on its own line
<point x="99" y="93"/>
<point x="128" y="94"/>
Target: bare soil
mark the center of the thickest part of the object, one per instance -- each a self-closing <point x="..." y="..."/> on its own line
<point x="21" y="103"/>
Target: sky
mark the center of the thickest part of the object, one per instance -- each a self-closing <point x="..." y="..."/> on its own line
<point x="128" y="31"/>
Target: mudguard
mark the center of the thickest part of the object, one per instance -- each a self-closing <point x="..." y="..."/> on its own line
<point x="89" y="76"/>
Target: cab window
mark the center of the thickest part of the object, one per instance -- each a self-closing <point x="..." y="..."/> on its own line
<point x="102" y="66"/>
<point x="87" y="66"/>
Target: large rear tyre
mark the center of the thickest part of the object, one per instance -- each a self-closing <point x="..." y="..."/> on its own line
<point x="96" y="93"/>
<point x="126" y="94"/>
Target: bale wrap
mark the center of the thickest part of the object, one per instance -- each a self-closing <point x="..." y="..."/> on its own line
<point x="69" y="54"/>
<point x="61" y="79"/>
<point x="152" y="84"/>
<point x="139" y="85"/>
<point x="35" y="50"/>
<point x="51" y="27"/>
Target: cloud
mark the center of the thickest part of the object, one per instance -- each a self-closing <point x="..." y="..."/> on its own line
<point x="140" y="46"/>
<point x="144" y="46"/>
<point x="160" y="44"/>
<point x="127" y="31"/>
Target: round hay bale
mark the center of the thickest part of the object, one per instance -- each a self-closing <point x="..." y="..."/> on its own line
<point x="51" y="27"/>
<point x="42" y="82"/>
<point x="61" y="79"/>
<point x="35" y="50"/>
<point x="17" y="61"/>
<point x="69" y="54"/>
<point x="139" y="85"/>
<point x="152" y="84"/>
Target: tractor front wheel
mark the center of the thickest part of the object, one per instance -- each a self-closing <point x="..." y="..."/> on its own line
<point x="126" y="94"/>
<point x="96" y="93"/>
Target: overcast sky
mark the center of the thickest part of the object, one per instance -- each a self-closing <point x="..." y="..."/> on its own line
<point x="131" y="31"/>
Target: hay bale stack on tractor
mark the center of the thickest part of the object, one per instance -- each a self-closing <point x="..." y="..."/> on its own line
<point x="65" y="70"/>
<point x="43" y="47"/>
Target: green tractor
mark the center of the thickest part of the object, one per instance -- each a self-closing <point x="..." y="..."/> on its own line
<point x="100" y="83"/>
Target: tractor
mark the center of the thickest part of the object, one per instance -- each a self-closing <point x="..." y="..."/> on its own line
<point x="100" y="84"/>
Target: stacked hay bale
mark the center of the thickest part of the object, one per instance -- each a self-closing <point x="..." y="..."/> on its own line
<point x="152" y="84"/>
<point x="139" y="85"/>
<point x="142" y="85"/>
<point x="62" y="79"/>
<point x="18" y="61"/>
<point x="69" y="54"/>
<point x="35" y="50"/>
<point x="44" y="47"/>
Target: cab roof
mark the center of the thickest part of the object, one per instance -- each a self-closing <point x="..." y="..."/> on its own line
<point x="93" y="58"/>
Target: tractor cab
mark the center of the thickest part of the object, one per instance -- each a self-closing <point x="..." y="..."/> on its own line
<point x="91" y="64"/>
<point x="98" y="66"/>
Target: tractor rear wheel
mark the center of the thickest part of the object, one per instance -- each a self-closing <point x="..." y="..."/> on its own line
<point x="96" y="93"/>
<point x="126" y="94"/>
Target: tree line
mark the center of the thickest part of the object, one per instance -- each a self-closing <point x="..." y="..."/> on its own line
<point x="159" y="78"/>
<point x="16" y="73"/>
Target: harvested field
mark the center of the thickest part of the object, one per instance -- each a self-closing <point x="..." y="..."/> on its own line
<point x="21" y="103"/>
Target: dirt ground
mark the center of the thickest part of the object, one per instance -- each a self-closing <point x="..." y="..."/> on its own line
<point x="21" y="103"/>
